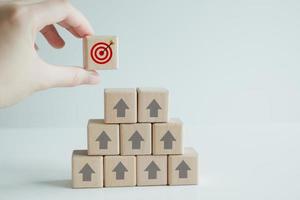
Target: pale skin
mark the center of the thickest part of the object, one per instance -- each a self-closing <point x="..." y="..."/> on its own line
<point x="22" y="71"/>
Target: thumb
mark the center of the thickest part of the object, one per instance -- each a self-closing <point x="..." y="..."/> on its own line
<point x="64" y="76"/>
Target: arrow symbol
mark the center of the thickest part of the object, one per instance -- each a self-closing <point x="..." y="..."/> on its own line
<point x="154" y="107"/>
<point x="152" y="170"/>
<point x="121" y="107"/>
<point x="103" y="140"/>
<point x="168" y="139"/>
<point x="120" y="170"/>
<point x="183" y="169"/>
<point x="136" y="139"/>
<point x="110" y="43"/>
<point x="86" y="172"/>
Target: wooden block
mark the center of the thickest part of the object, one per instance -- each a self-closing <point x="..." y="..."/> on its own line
<point x="103" y="139"/>
<point x="135" y="139"/>
<point x="120" y="105"/>
<point x="183" y="169"/>
<point x="87" y="171"/>
<point x="100" y="52"/>
<point x="152" y="170"/>
<point x="167" y="137"/>
<point x="119" y="171"/>
<point x="153" y="104"/>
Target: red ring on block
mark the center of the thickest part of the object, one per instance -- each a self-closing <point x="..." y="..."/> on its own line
<point x="97" y="57"/>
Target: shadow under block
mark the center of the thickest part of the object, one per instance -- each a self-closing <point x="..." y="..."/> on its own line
<point x="87" y="171"/>
<point x="119" y="171"/>
<point x="183" y="169"/>
<point x="120" y="105"/>
<point x="152" y="170"/>
<point x="135" y="139"/>
<point x="153" y="104"/>
<point x="100" y="52"/>
<point x="167" y="137"/>
<point x="103" y="139"/>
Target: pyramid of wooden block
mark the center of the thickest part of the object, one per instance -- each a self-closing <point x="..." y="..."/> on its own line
<point x="136" y="144"/>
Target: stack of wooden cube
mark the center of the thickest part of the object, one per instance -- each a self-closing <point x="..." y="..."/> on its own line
<point x="135" y="144"/>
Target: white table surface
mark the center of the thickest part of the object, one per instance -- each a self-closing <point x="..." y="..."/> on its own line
<point x="237" y="161"/>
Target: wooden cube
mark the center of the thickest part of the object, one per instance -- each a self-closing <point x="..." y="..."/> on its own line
<point x="103" y="139"/>
<point x="153" y="104"/>
<point x="152" y="170"/>
<point x="167" y="137"/>
<point x="183" y="169"/>
<point x="100" y="52"/>
<point x="87" y="171"/>
<point x="135" y="139"/>
<point x="120" y="105"/>
<point x="119" y="171"/>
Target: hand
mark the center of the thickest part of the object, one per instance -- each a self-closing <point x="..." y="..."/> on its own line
<point x="22" y="71"/>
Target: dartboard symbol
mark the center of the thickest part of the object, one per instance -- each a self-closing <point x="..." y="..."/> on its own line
<point x="101" y="52"/>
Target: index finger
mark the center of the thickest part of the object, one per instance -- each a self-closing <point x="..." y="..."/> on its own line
<point x="62" y="12"/>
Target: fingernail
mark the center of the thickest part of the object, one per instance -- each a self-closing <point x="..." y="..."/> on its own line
<point x="93" y="77"/>
<point x="93" y="73"/>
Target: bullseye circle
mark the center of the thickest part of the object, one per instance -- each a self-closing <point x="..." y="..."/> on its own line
<point x="101" y="53"/>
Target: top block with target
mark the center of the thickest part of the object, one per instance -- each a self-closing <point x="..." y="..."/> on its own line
<point x="100" y="52"/>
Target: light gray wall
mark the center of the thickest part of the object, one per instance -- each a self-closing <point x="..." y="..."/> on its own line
<point x="223" y="61"/>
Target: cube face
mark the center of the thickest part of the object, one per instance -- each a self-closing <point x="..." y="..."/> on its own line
<point x="168" y="137"/>
<point x="183" y="169"/>
<point x="87" y="171"/>
<point x="119" y="171"/>
<point x="100" y="52"/>
<point x="151" y="170"/>
<point x="120" y="105"/>
<point x="103" y="139"/>
<point x="153" y="104"/>
<point x="135" y="139"/>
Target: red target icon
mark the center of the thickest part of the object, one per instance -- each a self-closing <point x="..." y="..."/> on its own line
<point x="101" y="52"/>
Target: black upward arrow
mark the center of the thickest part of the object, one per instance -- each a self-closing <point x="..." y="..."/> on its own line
<point x="153" y="107"/>
<point x="120" y="170"/>
<point x="168" y="139"/>
<point x="152" y="170"/>
<point x="86" y="172"/>
<point x="121" y="107"/>
<point x="136" y="139"/>
<point x="103" y="140"/>
<point x="183" y="169"/>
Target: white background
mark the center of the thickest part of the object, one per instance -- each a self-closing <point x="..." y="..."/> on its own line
<point x="232" y="68"/>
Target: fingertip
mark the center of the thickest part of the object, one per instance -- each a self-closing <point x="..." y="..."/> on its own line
<point x="92" y="31"/>
<point x="84" y="31"/>
<point x="93" y="72"/>
<point x="59" y="44"/>
<point x="93" y="78"/>
<point x="88" y="30"/>
<point x="53" y="37"/>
